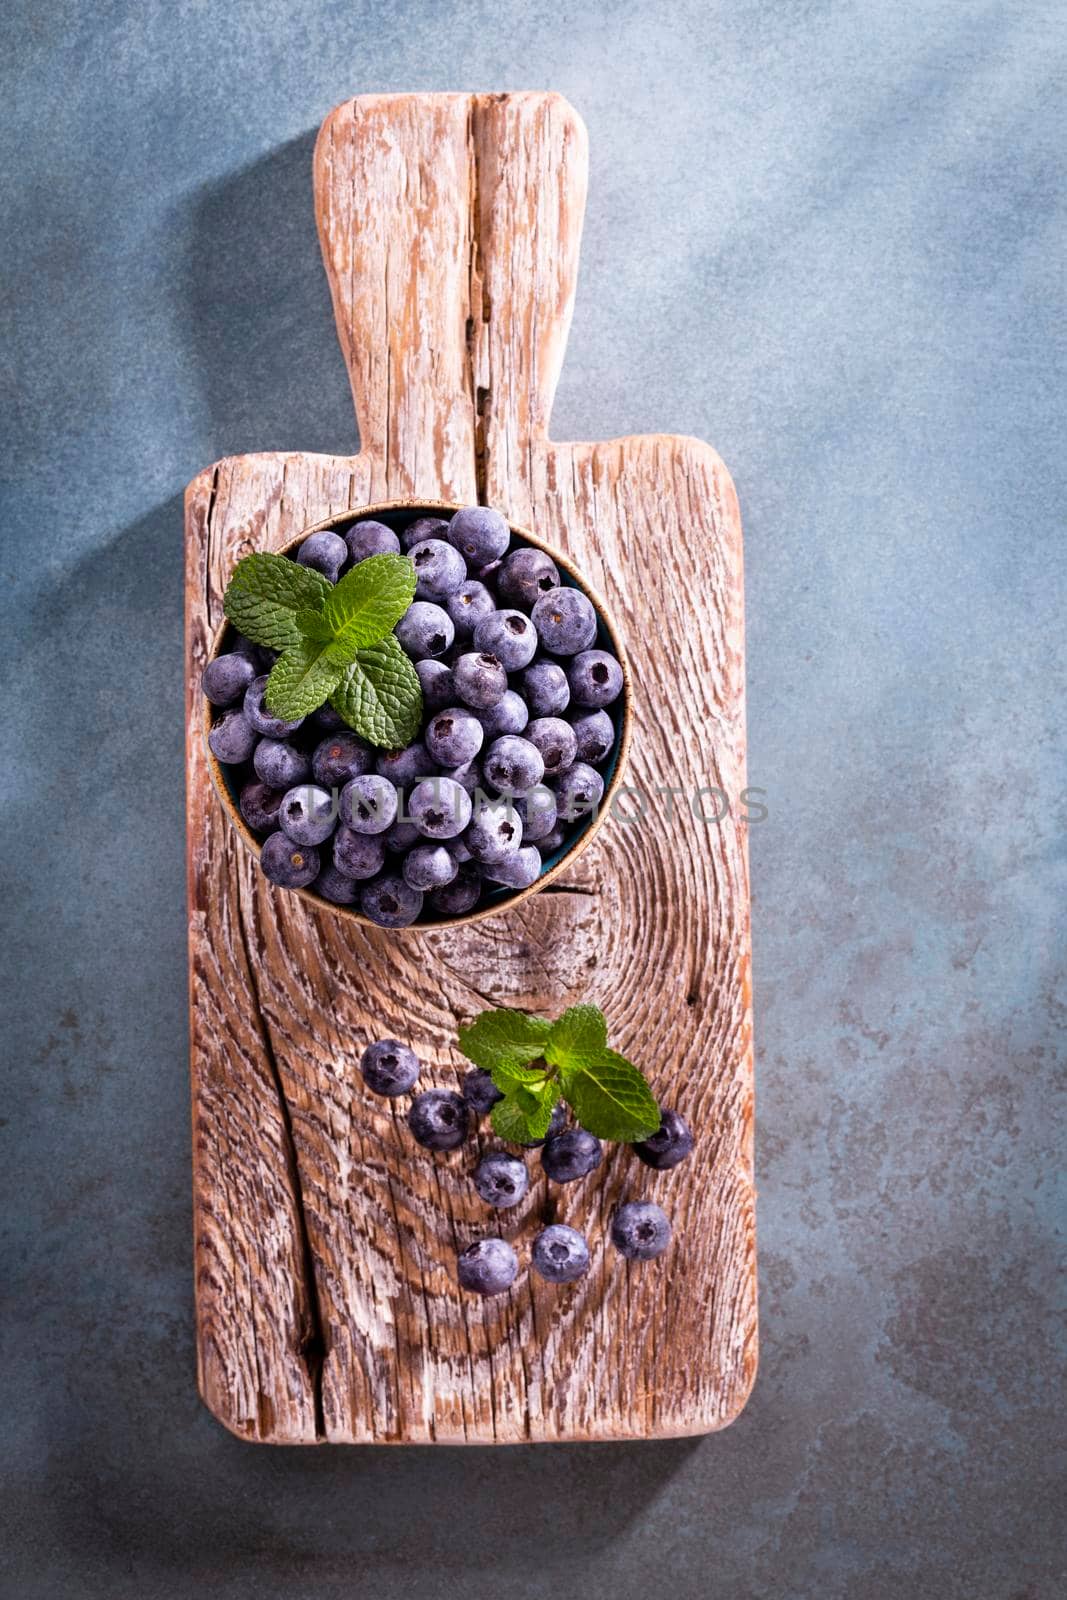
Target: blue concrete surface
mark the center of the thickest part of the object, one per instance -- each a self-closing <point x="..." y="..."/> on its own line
<point x="828" y="237"/>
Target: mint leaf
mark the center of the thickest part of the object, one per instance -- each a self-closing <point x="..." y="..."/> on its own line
<point x="505" y="1042"/>
<point x="611" y="1098"/>
<point x="301" y="679"/>
<point x="369" y="601"/>
<point x="379" y="694"/>
<point x="524" y="1116"/>
<point x="265" y="596"/>
<point x="578" y="1036"/>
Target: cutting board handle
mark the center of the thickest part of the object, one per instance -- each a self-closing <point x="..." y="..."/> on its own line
<point x="450" y="228"/>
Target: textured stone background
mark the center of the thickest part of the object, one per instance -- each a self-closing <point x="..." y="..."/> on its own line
<point x="828" y="237"/>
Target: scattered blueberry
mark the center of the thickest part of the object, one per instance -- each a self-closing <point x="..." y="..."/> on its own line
<point x="390" y="902"/>
<point x="512" y="765"/>
<point x="439" y="1119"/>
<point x="555" y="1125"/>
<point x="425" y="630"/>
<point x="468" y="606"/>
<point x="370" y="538"/>
<point x="454" y="736"/>
<point x="480" y="1092"/>
<point x="369" y="803"/>
<point x="429" y="866"/>
<point x="480" y="534"/>
<point x="233" y="738"/>
<point x="326" y="552"/>
<point x="439" y="807"/>
<point x="640" y="1230"/>
<point x="501" y="1180"/>
<point x="439" y="569"/>
<point x="669" y="1145"/>
<point x="525" y="575"/>
<point x="565" y="621"/>
<point x="308" y="814"/>
<point x="358" y="855"/>
<point x="560" y="1254"/>
<point x="488" y="1267"/>
<point x="290" y="865"/>
<point x="595" y="678"/>
<point x="279" y="763"/>
<point x="480" y="680"/>
<point x="225" y="679"/>
<point x="339" y="758"/>
<point x="556" y="741"/>
<point x="571" y="1155"/>
<point x="595" y="733"/>
<point x="545" y="687"/>
<point x="389" y="1067"/>
<point x="508" y="635"/>
<point x="259" y="806"/>
<point x="260" y="717"/>
<point x="579" y="791"/>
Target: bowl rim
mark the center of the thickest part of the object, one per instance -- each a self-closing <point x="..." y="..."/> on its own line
<point x="583" y="840"/>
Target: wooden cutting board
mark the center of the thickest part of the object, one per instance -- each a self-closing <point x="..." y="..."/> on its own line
<point x="327" y="1306"/>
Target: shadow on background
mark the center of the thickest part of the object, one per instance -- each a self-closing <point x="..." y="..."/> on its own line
<point x="256" y="311"/>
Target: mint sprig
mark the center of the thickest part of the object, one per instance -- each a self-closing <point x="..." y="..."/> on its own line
<point x="336" y="641"/>
<point x="533" y="1062"/>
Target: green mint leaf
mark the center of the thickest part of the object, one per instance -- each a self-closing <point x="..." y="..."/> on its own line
<point x="369" y="601"/>
<point x="379" y="694"/>
<point x="301" y="679"/>
<point x="505" y="1042"/>
<point x="578" y="1036"/>
<point x="266" y="596"/>
<point x="610" y="1098"/>
<point x="524" y="1116"/>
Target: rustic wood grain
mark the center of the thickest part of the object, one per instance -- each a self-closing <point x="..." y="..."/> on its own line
<point x="326" y="1301"/>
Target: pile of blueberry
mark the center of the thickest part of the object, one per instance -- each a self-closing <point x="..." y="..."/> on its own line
<point x="510" y="757"/>
<point x="440" y="1119"/>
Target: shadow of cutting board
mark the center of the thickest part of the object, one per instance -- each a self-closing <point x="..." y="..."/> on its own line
<point x="327" y="1306"/>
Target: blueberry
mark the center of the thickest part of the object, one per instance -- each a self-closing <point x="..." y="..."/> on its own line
<point x="340" y="758"/>
<point x="454" y="736"/>
<point x="401" y="836"/>
<point x="513" y="765"/>
<point x="439" y="807"/>
<point x="425" y="630"/>
<point x="280" y="764"/>
<point x="479" y="1091"/>
<point x="525" y="576"/>
<point x="558" y="1118"/>
<point x="595" y="678"/>
<point x="470" y="604"/>
<point x="480" y="534"/>
<point x="358" y="855"/>
<point x="560" y="1254"/>
<point x="516" y="871"/>
<point x="326" y="552"/>
<point x="459" y="896"/>
<point x="429" y="866"/>
<point x="336" y="886"/>
<point x="545" y="688"/>
<point x="327" y="720"/>
<point x="261" y="658"/>
<point x="508" y="635"/>
<point x="389" y="1067"/>
<point x="579" y="791"/>
<point x="435" y="680"/>
<point x="556" y="741"/>
<point x="260" y="717"/>
<point x="571" y="1155"/>
<point x="480" y="680"/>
<point x="538" y="812"/>
<point x="390" y="902"/>
<point x="423" y="528"/>
<point x="439" y="568"/>
<point x="670" y="1144"/>
<point x="509" y="715"/>
<point x="226" y="678"/>
<point x="233" y="738"/>
<point x="308" y="814"/>
<point x="439" y="1119"/>
<point x="369" y="803"/>
<point x="370" y="538"/>
<point x="501" y="1180"/>
<point x="488" y="1267"/>
<point x="495" y="833"/>
<point x="405" y="766"/>
<point x="595" y="733"/>
<point x="552" y="841"/>
<point x="640" y="1230"/>
<point x="259" y="806"/>
<point x="565" y="621"/>
<point x="469" y="777"/>
<point x="291" y="865"/>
